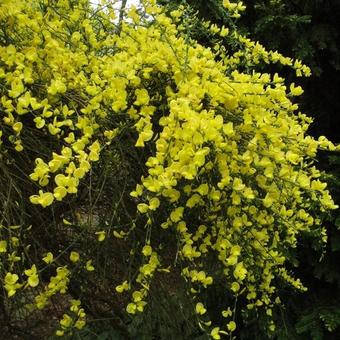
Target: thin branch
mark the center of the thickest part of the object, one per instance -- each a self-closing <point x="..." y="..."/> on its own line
<point x="121" y="16"/>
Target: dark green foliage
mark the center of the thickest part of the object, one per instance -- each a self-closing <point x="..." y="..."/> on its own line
<point x="307" y="30"/>
<point x="304" y="29"/>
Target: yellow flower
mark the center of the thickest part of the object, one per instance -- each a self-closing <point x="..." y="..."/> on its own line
<point x="235" y="287"/>
<point x="3" y="246"/>
<point x="137" y="296"/>
<point x="17" y="88"/>
<point x="66" y="222"/>
<point x="74" y="256"/>
<point x="231" y="326"/>
<point x="142" y="97"/>
<point x="295" y="90"/>
<point x="48" y="258"/>
<point x="200" y="308"/>
<point x="142" y="208"/>
<point x="66" y="321"/>
<point x="272" y="327"/>
<point x="11" y="284"/>
<point x="188" y="251"/>
<point x="11" y="279"/>
<point x="57" y="86"/>
<point x="131" y="308"/>
<point x="268" y="201"/>
<point x="59" y="332"/>
<point x="13" y="257"/>
<point x="75" y="305"/>
<point x="79" y="324"/>
<point x="193" y="200"/>
<point x="154" y="203"/>
<point x="147" y="250"/>
<point x="59" y="193"/>
<point x="215" y="333"/>
<point x="227" y="313"/>
<point x="203" y="189"/>
<point x="101" y="235"/>
<point x="89" y="267"/>
<point x="141" y="305"/>
<point x="240" y="272"/>
<point x="17" y="127"/>
<point x="238" y="185"/>
<point x="44" y="198"/>
<point x="177" y="214"/>
<point x="14" y="241"/>
<point x="124" y="286"/>
<point x="117" y="234"/>
<point x="33" y="279"/>
<point x="228" y="129"/>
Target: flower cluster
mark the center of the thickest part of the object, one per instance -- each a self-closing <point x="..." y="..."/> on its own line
<point x="230" y="167"/>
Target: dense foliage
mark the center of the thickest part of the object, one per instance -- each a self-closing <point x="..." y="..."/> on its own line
<point x="129" y="144"/>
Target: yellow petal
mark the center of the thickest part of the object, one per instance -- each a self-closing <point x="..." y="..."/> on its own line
<point x="74" y="256"/>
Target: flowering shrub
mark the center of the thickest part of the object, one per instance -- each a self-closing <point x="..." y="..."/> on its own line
<point x="228" y="172"/>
